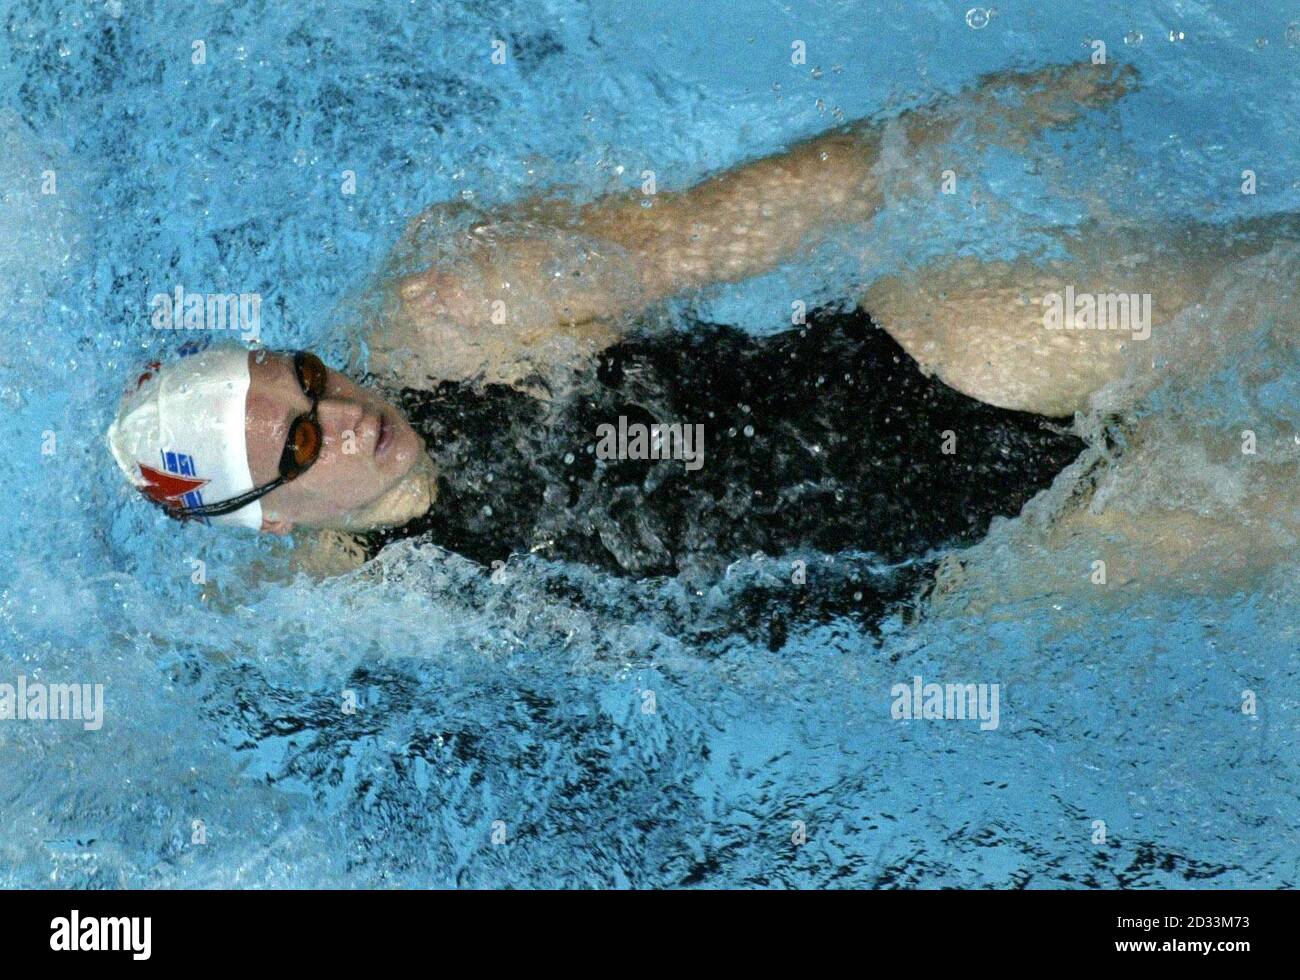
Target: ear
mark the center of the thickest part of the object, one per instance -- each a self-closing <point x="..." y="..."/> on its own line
<point x="276" y="526"/>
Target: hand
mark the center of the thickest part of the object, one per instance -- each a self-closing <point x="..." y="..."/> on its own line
<point x="1016" y="105"/>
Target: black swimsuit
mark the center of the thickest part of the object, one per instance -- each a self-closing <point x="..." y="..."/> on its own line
<point x="824" y="439"/>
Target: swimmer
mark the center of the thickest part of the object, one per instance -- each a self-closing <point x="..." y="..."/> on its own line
<point x="493" y="370"/>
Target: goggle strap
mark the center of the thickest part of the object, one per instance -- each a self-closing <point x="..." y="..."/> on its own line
<point x="224" y="507"/>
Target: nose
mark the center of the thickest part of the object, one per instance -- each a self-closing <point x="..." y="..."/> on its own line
<point x="338" y="417"/>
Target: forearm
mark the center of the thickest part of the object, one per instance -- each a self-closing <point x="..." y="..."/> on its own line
<point x="616" y="255"/>
<point x="747" y="220"/>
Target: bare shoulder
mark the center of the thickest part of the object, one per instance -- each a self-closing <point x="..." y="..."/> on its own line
<point x="421" y="344"/>
<point x="498" y="299"/>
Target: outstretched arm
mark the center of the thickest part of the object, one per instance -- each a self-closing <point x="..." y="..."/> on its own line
<point x="748" y="220"/>
<point x="546" y="281"/>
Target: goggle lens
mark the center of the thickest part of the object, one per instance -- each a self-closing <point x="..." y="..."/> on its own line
<point x="313" y="375"/>
<point x="303" y="446"/>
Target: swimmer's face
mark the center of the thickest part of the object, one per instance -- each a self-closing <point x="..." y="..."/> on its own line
<point x="368" y="447"/>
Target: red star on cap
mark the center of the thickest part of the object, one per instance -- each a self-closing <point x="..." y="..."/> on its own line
<point x="148" y="373"/>
<point x="167" y="488"/>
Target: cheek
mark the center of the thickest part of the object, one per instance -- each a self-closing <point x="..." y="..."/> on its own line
<point x="338" y="466"/>
<point x="265" y="446"/>
<point x="337" y="482"/>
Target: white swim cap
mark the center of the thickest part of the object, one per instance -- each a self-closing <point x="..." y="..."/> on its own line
<point x="179" y="436"/>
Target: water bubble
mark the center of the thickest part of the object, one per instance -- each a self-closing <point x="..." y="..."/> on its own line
<point x="1133" y="37"/>
<point x="749" y="431"/>
<point x="568" y="459"/>
<point x="1293" y="33"/>
<point x="1261" y="42"/>
<point x="487" y="510"/>
<point x="977" y="18"/>
<point x="300" y="157"/>
<point x="113" y="8"/>
<point x="1176" y="36"/>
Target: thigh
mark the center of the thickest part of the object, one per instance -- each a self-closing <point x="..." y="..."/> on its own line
<point x="1044" y="336"/>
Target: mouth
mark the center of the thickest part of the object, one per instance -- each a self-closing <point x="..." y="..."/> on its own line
<point x="385" y="435"/>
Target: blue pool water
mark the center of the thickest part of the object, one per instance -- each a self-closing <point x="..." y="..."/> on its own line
<point x="504" y="738"/>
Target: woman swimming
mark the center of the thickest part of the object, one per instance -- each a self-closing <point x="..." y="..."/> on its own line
<point x="521" y="378"/>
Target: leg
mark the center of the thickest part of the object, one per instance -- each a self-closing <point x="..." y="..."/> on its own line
<point x="981" y="326"/>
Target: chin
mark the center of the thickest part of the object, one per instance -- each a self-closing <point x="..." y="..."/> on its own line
<point x="406" y="450"/>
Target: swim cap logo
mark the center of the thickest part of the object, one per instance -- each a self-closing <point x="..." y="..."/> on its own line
<point x="191" y="347"/>
<point x="170" y="489"/>
<point x="149" y="370"/>
<point x="195" y="346"/>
